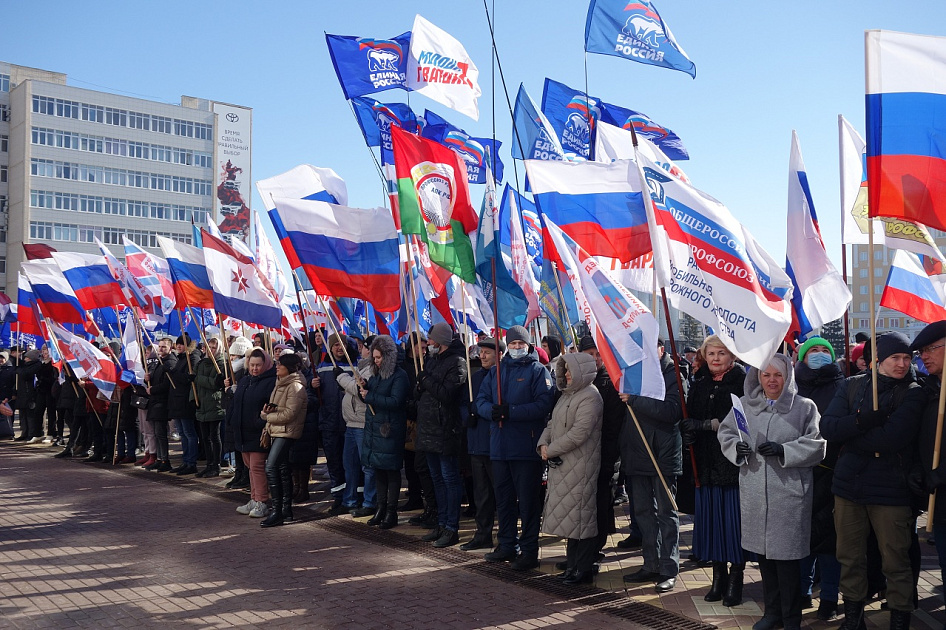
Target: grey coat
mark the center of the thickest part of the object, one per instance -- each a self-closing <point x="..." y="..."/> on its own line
<point x="353" y="407"/>
<point x="574" y="434"/>
<point x="775" y="493"/>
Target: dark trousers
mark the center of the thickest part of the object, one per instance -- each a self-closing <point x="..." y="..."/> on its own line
<point x="780" y="579"/>
<point x="278" y="470"/>
<point x="518" y="486"/>
<point x="388" y="484"/>
<point x="83" y="441"/>
<point x="659" y="523"/>
<point x="333" y="444"/>
<point x="413" y="480"/>
<point x="161" y="439"/>
<point x="605" y="506"/>
<point x="483" y="494"/>
<point x="67" y="419"/>
<point x="581" y="554"/>
<point x="210" y="437"/>
<point x="426" y="481"/>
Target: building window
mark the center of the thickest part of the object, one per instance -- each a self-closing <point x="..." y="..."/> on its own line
<point x="894" y="322"/>
<point x="93" y="113"/>
<point x="3" y="173"/>
<point x="862" y="273"/>
<point x="41" y="230"/>
<point x="864" y="290"/>
<point x="878" y="272"/>
<point x="878" y="289"/>
<point x="202" y="131"/>
<point x="3" y="203"/>
<point x="4" y="144"/>
<point x="863" y="256"/>
<point x="67" y="109"/>
<point x="863" y="323"/>
<point x="879" y="254"/>
<point x="160" y="124"/>
<point x="44" y="105"/>
<point x="4" y="82"/>
<point x="118" y="117"/>
<point x="4" y="113"/>
<point x="862" y="307"/>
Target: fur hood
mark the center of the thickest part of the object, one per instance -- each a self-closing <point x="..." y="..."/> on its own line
<point x="581" y="366"/>
<point x="388" y="349"/>
<point x="756" y="396"/>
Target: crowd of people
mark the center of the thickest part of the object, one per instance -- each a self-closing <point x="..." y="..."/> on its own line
<point x="816" y="471"/>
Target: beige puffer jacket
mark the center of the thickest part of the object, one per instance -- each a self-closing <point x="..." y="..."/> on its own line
<point x="574" y="435"/>
<point x="290" y="399"/>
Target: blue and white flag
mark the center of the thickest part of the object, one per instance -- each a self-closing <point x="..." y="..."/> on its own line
<point x="365" y="65"/>
<point x="476" y="152"/>
<point x="131" y="360"/>
<point x="521" y="263"/>
<point x="740" y="415"/>
<point x="533" y="137"/>
<point x="634" y="30"/>
<point x="375" y="120"/>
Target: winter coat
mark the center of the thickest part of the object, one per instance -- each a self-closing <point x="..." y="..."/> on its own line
<point x="46" y="377"/>
<point x="121" y="404"/>
<point x="330" y="410"/>
<point x="7" y="381"/>
<point x="706" y="400"/>
<point x="305" y="450"/>
<point x="926" y="441"/>
<point x="660" y="422"/>
<point x="614" y="417"/>
<point x="442" y="386"/>
<point x="353" y="407"/>
<point x="181" y="405"/>
<point x="527" y="389"/>
<point x="251" y="394"/>
<point x="68" y="392"/>
<point x="289" y="396"/>
<point x="477" y="435"/>
<point x="209" y="384"/>
<point x="385" y="418"/>
<point x="574" y="435"/>
<point x="161" y="388"/>
<point x="239" y="371"/>
<point x="820" y="386"/>
<point x="775" y="492"/>
<point x="26" y="373"/>
<point x="873" y="465"/>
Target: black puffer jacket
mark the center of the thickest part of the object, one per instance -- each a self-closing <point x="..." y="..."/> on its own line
<point x="873" y="465"/>
<point x="443" y="387"/>
<point x="926" y="441"/>
<point x="708" y="399"/>
<point x="660" y="422"/>
<point x="615" y="416"/>
<point x="819" y="385"/>
<point x="160" y="388"/>
<point x="251" y="394"/>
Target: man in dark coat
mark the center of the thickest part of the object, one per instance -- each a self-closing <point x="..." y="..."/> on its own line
<point x="331" y="421"/>
<point x="870" y="479"/>
<point x="653" y="509"/>
<point x="518" y="419"/>
<point x="159" y="387"/>
<point x="26" y="403"/>
<point x="440" y="390"/>
<point x="182" y="408"/>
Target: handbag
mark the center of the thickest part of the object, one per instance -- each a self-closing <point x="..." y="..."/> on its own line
<point x="265" y="440"/>
<point x="139" y="402"/>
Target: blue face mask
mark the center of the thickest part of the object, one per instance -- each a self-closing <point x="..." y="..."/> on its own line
<point x="817" y="360"/>
<point x="518" y="353"/>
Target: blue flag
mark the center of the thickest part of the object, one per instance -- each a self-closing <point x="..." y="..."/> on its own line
<point x="375" y="120"/>
<point x="634" y="30"/>
<point x="476" y="152"/>
<point x="574" y="117"/>
<point x="533" y="137"/>
<point x="365" y="65"/>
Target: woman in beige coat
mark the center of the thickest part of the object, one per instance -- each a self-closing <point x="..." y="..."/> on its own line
<point x="571" y="443"/>
<point x="285" y="416"/>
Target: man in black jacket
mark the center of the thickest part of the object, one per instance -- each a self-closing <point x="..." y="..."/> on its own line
<point x="653" y="509"/>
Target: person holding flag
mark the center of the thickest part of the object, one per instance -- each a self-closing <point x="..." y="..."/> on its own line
<point x="208" y="385"/>
<point x="182" y="408"/>
<point x="775" y="463"/>
<point x="159" y="388"/>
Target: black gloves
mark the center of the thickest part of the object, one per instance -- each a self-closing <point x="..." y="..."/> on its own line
<point x="472" y="419"/>
<point x="771" y="449"/>
<point x="689" y="437"/>
<point x="189" y="378"/>
<point x="690" y="425"/>
<point x="500" y="413"/>
<point x="742" y="448"/>
<point x="935" y="479"/>
<point x="419" y="385"/>
<point x="868" y="419"/>
<point x="336" y="371"/>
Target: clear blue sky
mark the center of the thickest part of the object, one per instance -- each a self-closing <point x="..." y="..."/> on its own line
<point x="763" y="69"/>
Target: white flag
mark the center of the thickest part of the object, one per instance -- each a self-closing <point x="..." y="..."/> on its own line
<point x="439" y="68"/>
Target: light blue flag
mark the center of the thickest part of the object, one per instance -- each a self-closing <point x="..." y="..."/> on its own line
<point x="533" y="137"/>
<point x="634" y="30"/>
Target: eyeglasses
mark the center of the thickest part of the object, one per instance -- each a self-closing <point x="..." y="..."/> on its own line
<point x="929" y="349"/>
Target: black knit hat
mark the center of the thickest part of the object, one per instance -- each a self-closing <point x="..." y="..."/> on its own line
<point x="891" y="343"/>
<point x="587" y="343"/>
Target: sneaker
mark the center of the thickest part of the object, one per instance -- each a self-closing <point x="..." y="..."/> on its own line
<point x="49" y="439"/>
<point x="260" y="510"/>
<point x="246" y="509"/>
<point x="35" y="440"/>
<point x="827" y="611"/>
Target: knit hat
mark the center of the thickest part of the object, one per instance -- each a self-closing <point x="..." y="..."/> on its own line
<point x="587" y="343"/>
<point x="33" y="355"/>
<point x="812" y="342"/>
<point x="490" y="343"/>
<point x="441" y="333"/>
<point x="929" y="335"/>
<point x="856" y="353"/>
<point x="336" y="338"/>
<point x="517" y="333"/>
<point x="543" y="356"/>
<point x="239" y="346"/>
<point x="184" y="339"/>
<point x="891" y="343"/>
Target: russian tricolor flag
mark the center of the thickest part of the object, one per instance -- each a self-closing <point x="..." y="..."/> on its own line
<point x="913" y="291"/>
<point x="345" y="252"/>
<point x="153" y="273"/>
<point x="91" y="279"/>
<point x="906" y="126"/>
<point x="599" y="206"/>
<point x="53" y="293"/>
<point x="27" y="322"/>
<point x="189" y="274"/>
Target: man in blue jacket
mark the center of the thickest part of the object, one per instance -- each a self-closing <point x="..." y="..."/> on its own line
<point x="518" y="417"/>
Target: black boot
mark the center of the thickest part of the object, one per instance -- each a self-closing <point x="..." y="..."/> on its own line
<point x="285" y="474"/>
<point x="63" y="454"/>
<point x="378" y="517"/>
<point x="720" y="582"/>
<point x="276" y="493"/>
<point x="287" y="516"/>
<point x="853" y="616"/>
<point x="733" y="596"/>
<point x="900" y="619"/>
<point x="275" y="516"/>
<point x="240" y="480"/>
<point x="390" y="518"/>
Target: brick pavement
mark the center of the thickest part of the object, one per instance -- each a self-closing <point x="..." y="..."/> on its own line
<point x="189" y="582"/>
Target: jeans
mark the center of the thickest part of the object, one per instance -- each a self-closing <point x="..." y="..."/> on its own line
<point x="127" y="443"/>
<point x="353" y="470"/>
<point x="660" y="525"/>
<point x="188" y="430"/>
<point x="830" y="575"/>
<point x="518" y="485"/>
<point x="448" y="487"/>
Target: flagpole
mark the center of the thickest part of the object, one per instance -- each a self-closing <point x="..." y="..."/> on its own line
<point x="410" y="275"/>
<point x="226" y="346"/>
<point x="203" y="337"/>
<point x="499" y="356"/>
<point x="407" y="311"/>
<point x="355" y="372"/>
<point x="305" y="328"/>
<point x="676" y="369"/>
<point x="873" y="321"/>
<point x="187" y="354"/>
<point x="87" y="397"/>
<point x="847" y="313"/>
<point x="561" y="297"/>
<point x="118" y="414"/>
<point x="466" y="347"/>
<point x="663" y="481"/>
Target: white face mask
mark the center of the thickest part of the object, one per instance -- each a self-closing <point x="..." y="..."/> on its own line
<point x="433" y="350"/>
<point x="518" y="353"/>
<point x="817" y="360"/>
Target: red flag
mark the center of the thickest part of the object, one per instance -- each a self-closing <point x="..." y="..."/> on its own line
<point x="36" y="251"/>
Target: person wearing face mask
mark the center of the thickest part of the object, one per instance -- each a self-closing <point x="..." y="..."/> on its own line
<point x="818" y="377"/>
<point x="870" y="479"/>
<point x="775" y="463"/>
<point x="518" y="418"/>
